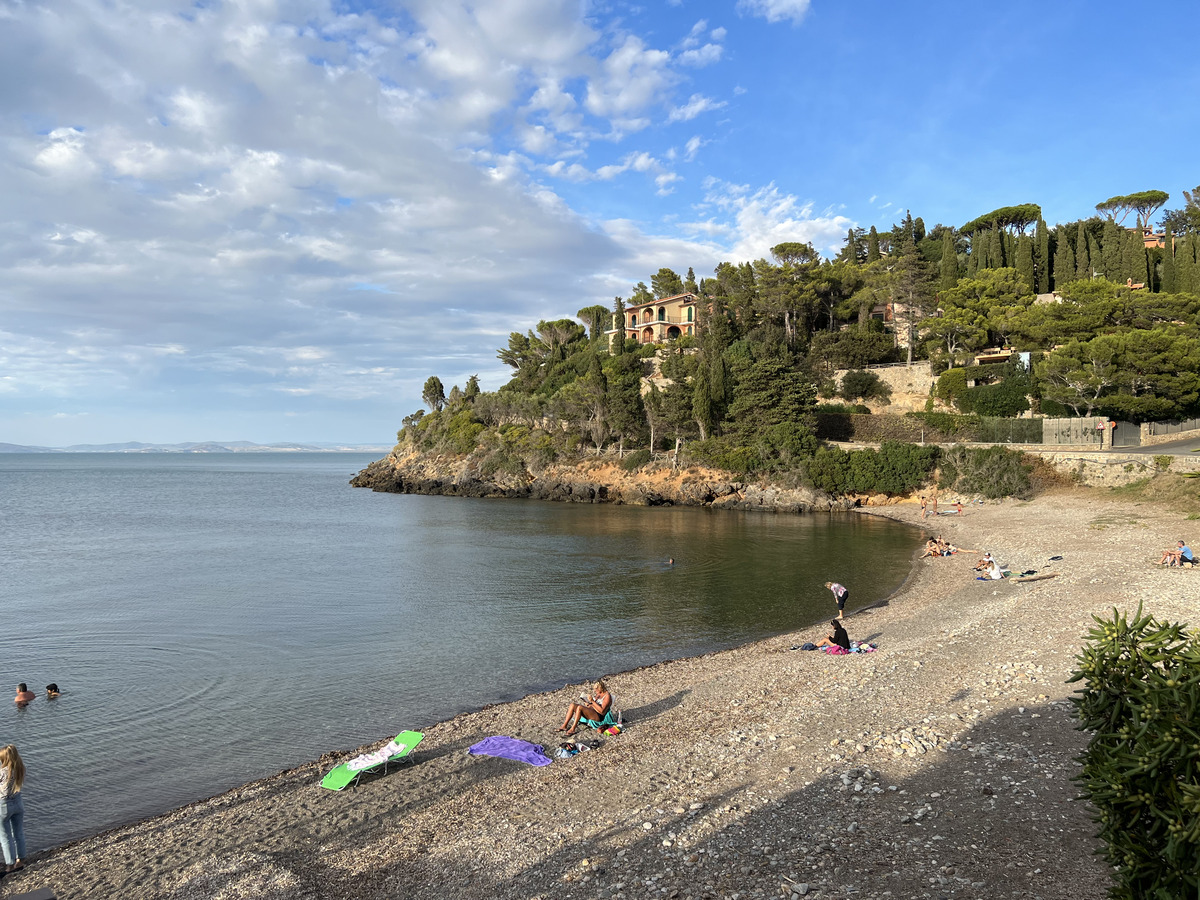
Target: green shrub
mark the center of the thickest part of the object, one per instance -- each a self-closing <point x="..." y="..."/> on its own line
<point x="951" y="385"/>
<point x="896" y="468"/>
<point x="992" y="472"/>
<point x="720" y="453"/>
<point x="860" y="385"/>
<point x="635" y="460"/>
<point x="1163" y="462"/>
<point x="1141" y="768"/>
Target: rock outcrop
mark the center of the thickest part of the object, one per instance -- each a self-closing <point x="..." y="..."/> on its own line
<point x="588" y="481"/>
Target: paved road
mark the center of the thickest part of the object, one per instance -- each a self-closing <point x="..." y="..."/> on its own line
<point x="1175" y="448"/>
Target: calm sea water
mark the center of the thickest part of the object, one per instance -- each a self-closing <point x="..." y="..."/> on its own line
<point x="216" y="618"/>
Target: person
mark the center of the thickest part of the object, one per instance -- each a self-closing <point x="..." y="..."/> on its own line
<point x="671" y="561"/>
<point x="924" y="507"/>
<point x="52" y="691"/>
<point x="24" y="694"/>
<point x="1178" y="556"/>
<point x="837" y="638"/>
<point x="12" y="810"/>
<point x="593" y="708"/>
<point x="931" y="549"/>
<point x="958" y="507"/>
<point x="839" y="594"/>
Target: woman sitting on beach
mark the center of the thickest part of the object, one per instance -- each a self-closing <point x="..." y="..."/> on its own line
<point x="839" y="637"/>
<point x="593" y="708"/>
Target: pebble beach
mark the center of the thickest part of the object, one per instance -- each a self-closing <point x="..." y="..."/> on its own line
<point x="938" y="766"/>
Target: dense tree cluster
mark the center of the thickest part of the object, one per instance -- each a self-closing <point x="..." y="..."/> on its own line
<point x="741" y="393"/>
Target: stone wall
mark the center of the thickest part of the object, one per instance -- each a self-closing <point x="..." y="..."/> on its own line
<point x="911" y="386"/>
<point x="1111" y="468"/>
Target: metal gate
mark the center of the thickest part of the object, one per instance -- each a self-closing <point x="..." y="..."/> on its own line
<point x="1126" y="434"/>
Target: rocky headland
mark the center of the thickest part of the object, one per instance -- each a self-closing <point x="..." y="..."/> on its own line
<point x="598" y="480"/>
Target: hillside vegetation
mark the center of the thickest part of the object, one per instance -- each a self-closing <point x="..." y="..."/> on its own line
<point x="746" y="394"/>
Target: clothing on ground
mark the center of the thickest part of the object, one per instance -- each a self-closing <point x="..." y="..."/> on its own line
<point x="511" y="748"/>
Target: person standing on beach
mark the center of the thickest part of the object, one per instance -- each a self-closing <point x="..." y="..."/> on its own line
<point x="12" y="810"/>
<point x="839" y="594"/>
<point x="924" y="507"/>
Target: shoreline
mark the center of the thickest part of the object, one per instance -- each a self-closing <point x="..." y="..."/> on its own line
<point x="742" y="771"/>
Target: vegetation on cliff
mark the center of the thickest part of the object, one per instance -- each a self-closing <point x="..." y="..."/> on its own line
<point x="743" y="393"/>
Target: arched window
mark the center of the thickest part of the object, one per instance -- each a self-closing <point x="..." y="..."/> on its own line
<point x="662" y="314"/>
<point x="633" y="319"/>
<point x="691" y="309"/>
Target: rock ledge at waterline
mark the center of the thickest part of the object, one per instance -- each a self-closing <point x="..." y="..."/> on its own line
<point x="590" y="481"/>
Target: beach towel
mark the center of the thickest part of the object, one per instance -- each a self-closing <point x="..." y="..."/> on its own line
<point x="511" y="748"/>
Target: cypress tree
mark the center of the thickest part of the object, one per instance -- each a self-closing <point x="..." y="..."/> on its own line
<point x="873" y="245"/>
<point x="1007" y="244"/>
<point x="949" y="271"/>
<point x="1133" y="257"/>
<point x="1025" y="262"/>
<point x="1110" y="251"/>
<point x="1082" y="263"/>
<point x="1170" y="280"/>
<point x="1093" y="255"/>
<point x="973" y="255"/>
<point x="1185" y="265"/>
<point x="1041" y="256"/>
<point x="1064" y="262"/>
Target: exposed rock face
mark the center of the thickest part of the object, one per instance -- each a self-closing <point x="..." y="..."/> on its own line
<point x="588" y="481"/>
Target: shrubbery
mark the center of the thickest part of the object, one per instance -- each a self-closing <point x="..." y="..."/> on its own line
<point x="861" y="385"/>
<point x="895" y="468"/>
<point x="992" y="472"/>
<point x="631" y="462"/>
<point x="1141" y="768"/>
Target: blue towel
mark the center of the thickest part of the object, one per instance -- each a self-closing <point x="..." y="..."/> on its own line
<point x="511" y="748"/>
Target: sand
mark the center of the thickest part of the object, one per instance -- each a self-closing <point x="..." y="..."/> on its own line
<point x="939" y="766"/>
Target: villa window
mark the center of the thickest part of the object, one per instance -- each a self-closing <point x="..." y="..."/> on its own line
<point x="690" y="311"/>
<point x="662" y="314"/>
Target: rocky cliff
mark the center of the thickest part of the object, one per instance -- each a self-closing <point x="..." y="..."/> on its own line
<point x="588" y="481"/>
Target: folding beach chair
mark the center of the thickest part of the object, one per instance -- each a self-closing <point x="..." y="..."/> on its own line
<point x="349" y="772"/>
<point x="612" y="717"/>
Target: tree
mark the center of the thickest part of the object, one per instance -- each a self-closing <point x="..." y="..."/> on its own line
<point x="1133" y="257"/>
<point x="1079" y="373"/>
<point x="1025" y="262"/>
<point x="1083" y="267"/>
<point x="912" y="292"/>
<point x="1144" y="203"/>
<point x="1110" y="252"/>
<point x="689" y="283"/>
<point x="1064" y="261"/>
<point x="949" y="266"/>
<point x="626" y="416"/>
<point x="434" y="394"/>
<point x="1187" y="219"/>
<point x="472" y="389"/>
<point x="1170" y="280"/>
<point x="596" y="319"/>
<point x="1041" y="259"/>
<point x="641" y="294"/>
<point x="873" y="245"/>
<point x="665" y="283"/>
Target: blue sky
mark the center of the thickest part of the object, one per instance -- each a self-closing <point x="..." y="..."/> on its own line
<point x="273" y="221"/>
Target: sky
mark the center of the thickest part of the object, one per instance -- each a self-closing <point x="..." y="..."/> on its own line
<point x="273" y="221"/>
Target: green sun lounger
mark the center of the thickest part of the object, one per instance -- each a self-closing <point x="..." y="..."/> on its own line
<point x="351" y="770"/>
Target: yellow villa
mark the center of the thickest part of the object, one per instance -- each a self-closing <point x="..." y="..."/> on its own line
<point x="659" y="320"/>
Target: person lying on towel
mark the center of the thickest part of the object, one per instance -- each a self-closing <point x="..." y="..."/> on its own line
<point x="593" y="707"/>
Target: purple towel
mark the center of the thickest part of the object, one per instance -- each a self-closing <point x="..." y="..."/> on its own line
<point x="511" y="748"/>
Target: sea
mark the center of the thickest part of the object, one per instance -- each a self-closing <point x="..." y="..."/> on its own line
<point x="216" y="618"/>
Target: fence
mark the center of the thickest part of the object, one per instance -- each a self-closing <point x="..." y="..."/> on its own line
<point x="1010" y="431"/>
<point x="1157" y="428"/>
<point x="1088" y="431"/>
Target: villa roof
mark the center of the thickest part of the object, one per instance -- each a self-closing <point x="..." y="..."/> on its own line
<point x="684" y="299"/>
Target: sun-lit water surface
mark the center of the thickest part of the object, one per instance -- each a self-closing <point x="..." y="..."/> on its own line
<point x="216" y="618"/>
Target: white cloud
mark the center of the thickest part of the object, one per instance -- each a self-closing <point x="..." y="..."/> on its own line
<point x="695" y="142"/>
<point x="764" y="217"/>
<point x="776" y="10"/>
<point x="632" y="79"/>
<point x="696" y="105"/>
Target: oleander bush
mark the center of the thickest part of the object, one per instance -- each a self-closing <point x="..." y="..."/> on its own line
<point x="1141" y="769"/>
